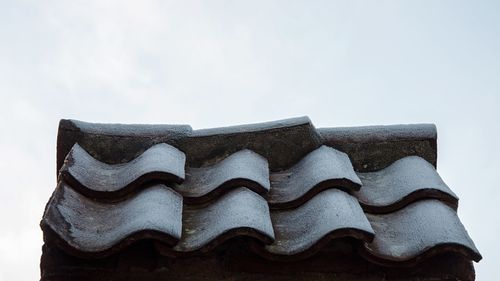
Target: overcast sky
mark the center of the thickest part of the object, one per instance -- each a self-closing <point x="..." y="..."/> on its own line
<point x="215" y="63"/>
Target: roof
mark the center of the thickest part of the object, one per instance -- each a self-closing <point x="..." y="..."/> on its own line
<point x="289" y="191"/>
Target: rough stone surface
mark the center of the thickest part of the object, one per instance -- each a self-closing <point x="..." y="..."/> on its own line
<point x="369" y="148"/>
<point x="114" y="143"/>
<point x="406" y="180"/>
<point x="382" y="133"/>
<point x="267" y="139"/>
<point x="141" y="262"/>
<point x="372" y="148"/>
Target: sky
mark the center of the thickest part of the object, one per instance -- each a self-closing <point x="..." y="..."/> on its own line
<point x="217" y="63"/>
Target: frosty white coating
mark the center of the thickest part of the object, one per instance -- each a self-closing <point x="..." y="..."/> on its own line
<point x="322" y="164"/>
<point x="249" y="128"/>
<point x="381" y="133"/>
<point x="313" y="203"/>
<point x="238" y="209"/>
<point x="420" y="226"/>
<point x="91" y="226"/>
<point x="402" y="178"/>
<point x="130" y="129"/>
<point x="244" y="165"/>
<point x="102" y="177"/>
<point x="299" y="229"/>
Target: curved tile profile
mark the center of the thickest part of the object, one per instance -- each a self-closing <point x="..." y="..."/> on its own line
<point x="115" y="143"/>
<point x="160" y="163"/>
<point x="321" y="169"/>
<point x="89" y="228"/>
<point x="240" y="212"/>
<point x="405" y="181"/>
<point x="243" y="168"/>
<point x="302" y="232"/>
<point x="420" y="230"/>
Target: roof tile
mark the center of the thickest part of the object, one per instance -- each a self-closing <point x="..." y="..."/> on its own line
<point x="240" y="212"/>
<point x="416" y="232"/>
<point x="321" y="169"/>
<point x="375" y="188"/>
<point x="90" y="228"/>
<point x="160" y="162"/>
<point x="243" y="168"/>
<point x="405" y="181"/>
<point x="329" y="215"/>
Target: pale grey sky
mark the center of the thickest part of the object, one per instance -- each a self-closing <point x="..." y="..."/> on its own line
<point x="214" y="63"/>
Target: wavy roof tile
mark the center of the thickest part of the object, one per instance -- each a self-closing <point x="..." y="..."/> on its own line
<point x="92" y="177"/>
<point x="91" y="228"/>
<point x="242" y="168"/>
<point x="367" y="199"/>
<point x="321" y="169"/>
<point x="331" y="214"/>
<point x="420" y="229"/>
<point x="404" y="181"/>
<point x="240" y="212"/>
